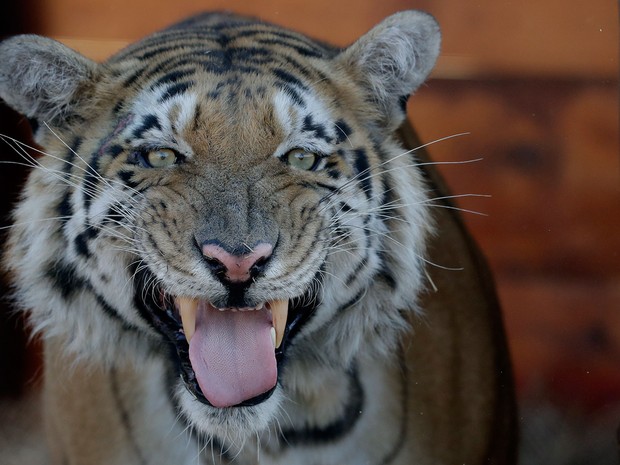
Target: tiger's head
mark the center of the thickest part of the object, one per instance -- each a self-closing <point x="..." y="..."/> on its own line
<point x="225" y="193"/>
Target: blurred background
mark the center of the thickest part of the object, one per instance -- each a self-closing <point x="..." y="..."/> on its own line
<point x="534" y="85"/>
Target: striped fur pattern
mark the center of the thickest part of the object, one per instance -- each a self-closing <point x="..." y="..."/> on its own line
<point x="228" y="131"/>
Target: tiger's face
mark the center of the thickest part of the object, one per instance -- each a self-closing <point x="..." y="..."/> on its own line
<point x="246" y="208"/>
<point x="228" y="195"/>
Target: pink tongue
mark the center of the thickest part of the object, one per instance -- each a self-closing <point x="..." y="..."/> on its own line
<point x="232" y="354"/>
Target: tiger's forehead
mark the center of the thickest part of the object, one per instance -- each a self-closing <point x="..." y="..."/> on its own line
<point x="246" y="83"/>
<point x="227" y="57"/>
<point x="271" y="122"/>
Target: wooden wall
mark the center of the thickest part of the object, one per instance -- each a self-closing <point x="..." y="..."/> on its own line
<point x="534" y="84"/>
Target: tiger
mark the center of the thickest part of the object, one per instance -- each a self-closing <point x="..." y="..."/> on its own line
<point x="236" y="251"/>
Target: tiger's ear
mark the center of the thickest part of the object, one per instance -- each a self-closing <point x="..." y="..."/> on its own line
<point x="392" y="60"/>
<point x="43" y="79"/>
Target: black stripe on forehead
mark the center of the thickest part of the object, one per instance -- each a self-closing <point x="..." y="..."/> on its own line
<point x="302" y="50"/>
<point x="287" y="70"/>
<point x="229" y="27"/>
<point x="292" y="94"/>
<point x="158" y="49"/>
<point x="220" y="44"/>
<point x="148" y="122"/>
<point x="175" y="89"/>
<point x="316" y="129"/>
<point x="288" y="78"/>
<point x="173" y="77"/>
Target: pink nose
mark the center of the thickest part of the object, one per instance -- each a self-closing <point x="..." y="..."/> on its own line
<point x="237" y="268"/>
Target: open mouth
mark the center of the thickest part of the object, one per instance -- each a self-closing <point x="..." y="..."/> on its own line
<point x="227" y="356"/>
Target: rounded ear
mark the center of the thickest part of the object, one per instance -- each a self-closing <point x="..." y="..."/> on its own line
<point x="392" y="60"/>
<point x="43" y="79"/>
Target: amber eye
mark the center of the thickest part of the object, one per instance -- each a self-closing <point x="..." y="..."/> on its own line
<point x="161" y="158"/>
<point x="301" y="159"/>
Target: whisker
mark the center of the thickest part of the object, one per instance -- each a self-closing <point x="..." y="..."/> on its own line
<point x="392" y="159"/>
<point x="462" y="210"/>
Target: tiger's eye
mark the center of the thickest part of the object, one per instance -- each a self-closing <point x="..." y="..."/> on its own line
<point x="301" y="159"/>
<point x="161" y="158"/>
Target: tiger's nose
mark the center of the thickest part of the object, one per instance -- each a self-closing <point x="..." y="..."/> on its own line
<point x="236" y="267"/>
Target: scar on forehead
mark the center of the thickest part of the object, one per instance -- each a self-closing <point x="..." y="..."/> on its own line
<point x="120" y="127"/>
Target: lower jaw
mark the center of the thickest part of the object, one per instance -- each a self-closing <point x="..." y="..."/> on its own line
<point x="245" y="421"/>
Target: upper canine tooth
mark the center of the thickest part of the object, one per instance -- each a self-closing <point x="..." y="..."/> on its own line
<point x="279" y="314"/>
<point x="188" y="308"/>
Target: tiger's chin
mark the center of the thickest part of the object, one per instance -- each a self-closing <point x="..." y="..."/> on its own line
<point x="230" y="423"/>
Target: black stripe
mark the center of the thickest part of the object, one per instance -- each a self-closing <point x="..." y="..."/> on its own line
<point x="314" y="75"/>
<point x="346" y="208"/>
<point x="171" y="65"/>
<point x="175" y="89"/>
<point x="292" y="93"/>
<point x="388" y="204"/>
<point x="287" y="38"/>
<point x="156" y="50"/>
<point x="332" y="189"/>
<point x="336" y="429"/>
<point x="113" y="214"/>
<point x="385" y="273"/>
<point x="70" y="156"/>
<point x="81" y="240"/>
<point x="334" y="174"/>
<point x="119" y="106"/>
<point x="288" y="78"/>
<point x="220" y="60"/>
<point x="352" y="302"/>
<point x="197" y="117"/>
<point x="126" y="177"/>
<point x="91" y="181"/>
<point x="360" y="266"/>
<point x="221" y="68"/>
<point x="133" y="78"/>
<point x="148" y="122"/>
<point x="65" y="209"/>
<point x="342" y="130"/>
<point x="318" y="130"/>
<point x="65" y="278"/>
<point x="363" y="169"/>
<point x="251" y="55"/>
<point x="124" y="414"/>
<point x="302" y="50"/>
<point x="113" y="313"/>
<point x="115" y="150"/>
<point x="172" y="77"/>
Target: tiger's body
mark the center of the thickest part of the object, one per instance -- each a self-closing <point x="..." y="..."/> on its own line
<point x="224" y="246"/>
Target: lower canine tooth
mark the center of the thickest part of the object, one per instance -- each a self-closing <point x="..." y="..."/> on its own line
<point x="188" y="308"/>
<point x="273" y="336"/>
<point x="279" y="314"/>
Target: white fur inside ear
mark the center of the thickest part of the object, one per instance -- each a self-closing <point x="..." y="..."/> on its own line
<point x="394" y="58"/>
<point x="40" y="77"/>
